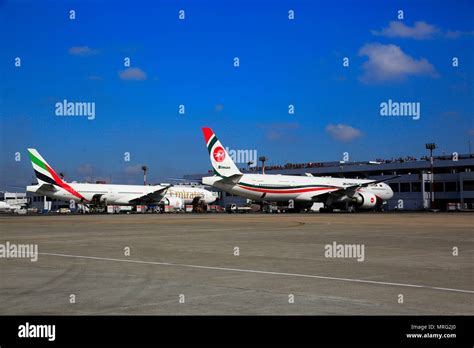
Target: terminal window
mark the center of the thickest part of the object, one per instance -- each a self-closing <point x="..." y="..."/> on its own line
<point x="468" y="185"/>
<point x="394" y="187"/>
<point x="451" y="186"/>
<point x="416" y="186"/>
<point x="439" y="186"/>
<point x="405" y="187"/>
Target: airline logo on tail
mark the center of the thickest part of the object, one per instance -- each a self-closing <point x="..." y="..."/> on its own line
<point x="46" y="175"/>
<point x="219" y="154"/>
<point x="220" y="159"/>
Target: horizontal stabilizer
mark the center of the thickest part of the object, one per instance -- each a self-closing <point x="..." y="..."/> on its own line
<point x="47" y="188"/>
<point x="233" y="179"/>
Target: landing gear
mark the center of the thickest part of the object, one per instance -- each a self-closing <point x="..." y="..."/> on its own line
<point x="326" y="209"/>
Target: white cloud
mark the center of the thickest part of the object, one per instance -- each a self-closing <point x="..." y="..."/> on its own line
<point x="85" y="169"/>
<point x="455" y="34"/>
<point x="420" y="31"/>
<point x="280" y="131"/>
<point x="343" y="132"/>
<point x="450" y="113"/>
<point x="82" y="51"/>
<point x="136" y="74"/>
<point x="390" y="63"/>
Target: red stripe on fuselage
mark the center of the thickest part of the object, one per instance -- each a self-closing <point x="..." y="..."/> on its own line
<point x="63" y="184"/>
<point x="288" y="191"/>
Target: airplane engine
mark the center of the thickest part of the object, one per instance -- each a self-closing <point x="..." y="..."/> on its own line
<point x="99" y="199"/>
<point x="365" y="200"/>
<point x="174" y="203"/>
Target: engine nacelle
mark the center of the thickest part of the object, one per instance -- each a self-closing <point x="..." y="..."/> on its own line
<point x="175" y="203"/>
<point x="365" y="200"/>
<point x="99" y="199"/>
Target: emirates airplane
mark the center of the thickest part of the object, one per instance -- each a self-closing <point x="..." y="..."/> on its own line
<point x="302" y="190"/>
<point x="51" y="185"/>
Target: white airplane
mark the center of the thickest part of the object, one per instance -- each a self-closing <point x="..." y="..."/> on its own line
<point x="51" y="185"/>
<point x="302" y="190"/>
<point x="6" y="207"/>
<point x="10" y="204"/>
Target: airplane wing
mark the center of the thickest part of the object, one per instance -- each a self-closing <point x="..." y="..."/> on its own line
<point x="151" y="197"/>
<point x="355" y="187"/>
<point x="350" y="190"/>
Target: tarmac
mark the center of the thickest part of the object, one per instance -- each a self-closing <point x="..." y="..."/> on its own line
<point x="240" y="264"/>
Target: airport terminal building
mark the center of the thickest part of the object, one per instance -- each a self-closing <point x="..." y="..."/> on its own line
<point x="453" y="179"/>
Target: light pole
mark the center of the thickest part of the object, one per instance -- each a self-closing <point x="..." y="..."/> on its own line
<point x="431" y="147"/>
<point x="249" y="163"/>
<point x="144" y="168"/>
<point x="263" y="159"/>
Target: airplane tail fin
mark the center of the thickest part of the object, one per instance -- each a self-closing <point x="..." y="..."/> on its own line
<point x="220" y="159"/>
<point x="44" y="173"/>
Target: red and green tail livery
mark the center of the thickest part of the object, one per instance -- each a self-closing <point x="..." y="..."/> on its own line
<point x="46" y="175"/>
<point x="220" y="159"/>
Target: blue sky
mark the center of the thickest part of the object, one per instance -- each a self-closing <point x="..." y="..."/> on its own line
<point x="190" y="62"/>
